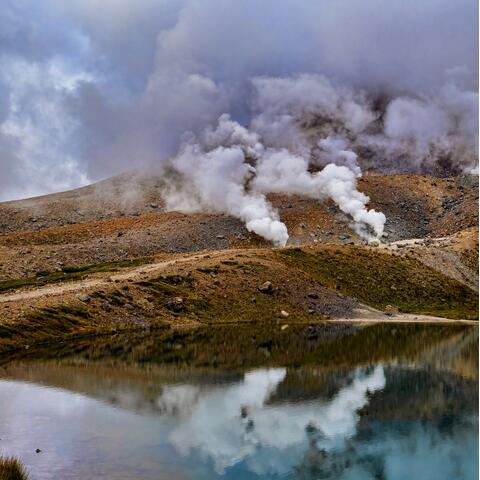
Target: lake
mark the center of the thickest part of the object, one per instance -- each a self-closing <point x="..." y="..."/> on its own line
<point x="247" y="402"/>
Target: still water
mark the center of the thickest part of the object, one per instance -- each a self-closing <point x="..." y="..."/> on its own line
<point x="379" y="402"/>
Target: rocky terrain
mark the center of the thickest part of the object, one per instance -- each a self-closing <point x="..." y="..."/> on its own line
<point x="109" y="257"/>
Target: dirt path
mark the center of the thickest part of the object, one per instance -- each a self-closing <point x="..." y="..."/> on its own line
<point x="364" y="315"/>
<point x="136" y="273"/>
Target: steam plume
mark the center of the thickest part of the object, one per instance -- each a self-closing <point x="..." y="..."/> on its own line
<point x="229" y="170"/>
<point x="316" y="91"/>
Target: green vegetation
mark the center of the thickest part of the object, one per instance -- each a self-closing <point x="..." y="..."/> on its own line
<point x="380" y="279"/>
<point x="228" y="297"/>
<point x="69" y="273"/>
<point x="46" y="324"/>
<point x="166" y="287"/>
<point x="12" y="469"/>
<point x="57" y="320"/>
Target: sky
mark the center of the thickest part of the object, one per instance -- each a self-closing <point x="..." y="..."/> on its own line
<point x="89" y="89"/>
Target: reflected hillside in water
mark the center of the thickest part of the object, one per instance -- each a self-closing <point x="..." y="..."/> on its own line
<point x="141" y="364"/>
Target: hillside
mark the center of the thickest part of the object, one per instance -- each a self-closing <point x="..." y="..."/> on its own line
<point x="108" y="257"/>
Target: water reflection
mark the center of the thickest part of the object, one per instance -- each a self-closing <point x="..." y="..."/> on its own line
<point x="230" y="424"/>
<point x="395" y="417"/>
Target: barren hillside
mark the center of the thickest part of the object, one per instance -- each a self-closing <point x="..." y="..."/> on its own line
<point x="109" y="257"/>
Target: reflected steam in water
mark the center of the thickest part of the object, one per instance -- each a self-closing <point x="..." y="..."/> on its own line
<point x="230" y="424"/>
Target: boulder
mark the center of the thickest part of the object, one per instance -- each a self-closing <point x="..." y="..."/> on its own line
<point x="266" y="287"/>
<point x="83" y="297"/>
<point x="175" y="304"/>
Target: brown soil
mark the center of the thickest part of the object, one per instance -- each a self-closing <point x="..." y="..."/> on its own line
<point x="431" y="247"/>
<point x="87" y="226"/>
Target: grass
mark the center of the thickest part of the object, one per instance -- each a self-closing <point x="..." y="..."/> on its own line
<point x="165" y="287"/>
<point x="231" y="296"/>
<point x="69" y="273"/>
<point x="57" y="320"/>
<point x="12" y="469"/>
<point x="52" y="323"/>
<point x="380" y="279"/>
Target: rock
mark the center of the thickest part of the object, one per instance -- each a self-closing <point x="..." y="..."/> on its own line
<point x="390" y="310"/>
<point x="83" y="297"/>
<point x="154" y="205"/>
<point x="266" y="287"/>
<point x="175" y="304"/>
<point x="105" y="306"/>
<point x="374" y="243"/>
<point x="37" y="450"/>
<point x="303" y="225"/>
<point x="284" y="314"/>
<point x="221" y="237"/>
<point x="312" y="295"/>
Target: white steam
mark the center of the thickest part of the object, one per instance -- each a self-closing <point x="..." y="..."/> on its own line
<point x="230" y="169"/>
<point x="429" y="130"/>
<point x="215" y="181"/>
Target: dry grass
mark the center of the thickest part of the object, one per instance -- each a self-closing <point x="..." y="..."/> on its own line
<point x="12" y="469"/>
<point x="381" y="279"/>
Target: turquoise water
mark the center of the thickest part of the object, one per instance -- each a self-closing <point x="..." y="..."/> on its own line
<point x="390" y="419"/>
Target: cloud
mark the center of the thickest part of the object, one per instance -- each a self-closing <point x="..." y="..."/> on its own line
<point x="136" y="76"/>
